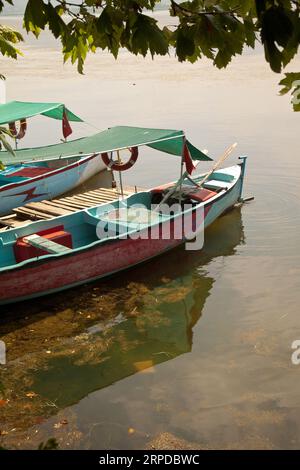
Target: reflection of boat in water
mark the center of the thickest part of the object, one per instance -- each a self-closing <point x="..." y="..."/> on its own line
<point x="147" y="323"/>
<point x="161" y="327"/>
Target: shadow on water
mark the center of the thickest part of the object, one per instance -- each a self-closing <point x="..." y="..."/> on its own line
<point x="63" y="347"/>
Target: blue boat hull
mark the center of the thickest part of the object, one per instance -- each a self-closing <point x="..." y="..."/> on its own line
<point x="48" y="185"/>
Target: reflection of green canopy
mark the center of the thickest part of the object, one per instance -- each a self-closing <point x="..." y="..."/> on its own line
<point x="16" y="110"/>
<point x="120" y="137"/>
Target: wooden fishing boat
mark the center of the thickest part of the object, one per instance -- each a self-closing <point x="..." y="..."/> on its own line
<point x="52" y="255"/>
<point x="44" y="172"/>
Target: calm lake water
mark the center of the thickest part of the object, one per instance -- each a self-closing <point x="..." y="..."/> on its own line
<point x="193" y="344"/>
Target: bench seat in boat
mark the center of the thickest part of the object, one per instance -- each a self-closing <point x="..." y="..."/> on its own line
<point x="202" y="195"/>
<point x="24" y="248"/>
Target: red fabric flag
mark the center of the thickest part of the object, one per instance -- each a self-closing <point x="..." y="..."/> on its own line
<point x="66" y="128"/>
<point x="188" y="160"/>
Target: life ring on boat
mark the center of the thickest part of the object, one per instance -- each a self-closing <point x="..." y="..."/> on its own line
<point x="116" y="166"/>
<point x="18" y="134"/>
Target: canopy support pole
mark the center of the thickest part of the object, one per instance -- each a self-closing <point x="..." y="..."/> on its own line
<point x="114" y="183"/>
<point x="120" y="175"/>
<point x="181" y="169"/>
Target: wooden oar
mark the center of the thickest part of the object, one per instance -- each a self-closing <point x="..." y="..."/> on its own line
<point x="218" y="163"/>
<point x="174" y="188"/>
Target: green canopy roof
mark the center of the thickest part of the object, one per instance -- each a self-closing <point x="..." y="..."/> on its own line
<point x="115" y="138"/>
<point x="16" y="110"/>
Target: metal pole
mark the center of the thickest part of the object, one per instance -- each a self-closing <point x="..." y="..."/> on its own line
<point x="181" y="168"/>
<point x="120" y="175"/>
<point x="243" y="166"/>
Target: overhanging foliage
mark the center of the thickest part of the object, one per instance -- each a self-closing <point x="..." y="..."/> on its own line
<point x="216" y="29"/>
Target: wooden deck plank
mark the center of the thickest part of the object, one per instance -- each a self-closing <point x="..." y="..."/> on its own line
<point x="40" y="206"/>
<point x="107" y="190"/>
<point x="90" y="197"/>
<point x="59" y="205"/>
<point x="93" y="200"/>
<point x="25" y="212"/>
<point x="90" y="201"/>
<point x="64" y="205"/>
<point x="34" y="214"/>
<point x="110" y="196"/>
<point x="110" y="193"/>
<point x="77" y="203"/>
<point x="9" y="216"/>
<point x="80" y="202"/>
<point x="70" y="204"/>
<point x="6" y="223"/>
<point x="99" y="194"/>
<point x="13" y="224"/>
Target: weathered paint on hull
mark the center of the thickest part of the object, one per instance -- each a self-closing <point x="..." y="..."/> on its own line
<point x="62" y="273"/>
<point x="57" y="274"/>
<point x="49" y="186"/>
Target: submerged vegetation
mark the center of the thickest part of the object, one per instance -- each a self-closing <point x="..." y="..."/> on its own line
<point x="92" y="334"/>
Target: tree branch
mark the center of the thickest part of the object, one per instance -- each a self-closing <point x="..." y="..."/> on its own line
<point x="176" y="7"/>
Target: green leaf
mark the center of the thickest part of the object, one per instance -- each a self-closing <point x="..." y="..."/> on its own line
<point x="8" y="39"/>
<point x="291" y="83"/>
<point x="246" y="7"/>
<point x="109" y="28"/>
<point x="288" y="82"/>
<point x="56" y="24"/>
<point x="276" y="31"/>
<point x="185" y="45"/>
<point x="250" y="36"/>
<point x="35" y="16"/>
<point x="2" y="3"/>
<point x="10" y="34"/>
<point x="8" y="49"/>
<point x="147" y="36"/>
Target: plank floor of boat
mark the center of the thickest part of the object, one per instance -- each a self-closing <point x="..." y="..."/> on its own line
<point x="45" y="210"/>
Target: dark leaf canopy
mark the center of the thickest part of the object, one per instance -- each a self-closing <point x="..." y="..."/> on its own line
<point x="216" y="29"/>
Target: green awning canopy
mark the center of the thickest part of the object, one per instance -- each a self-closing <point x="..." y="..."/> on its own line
<point x="16" y="110"/>
<point x="115" y="138"/>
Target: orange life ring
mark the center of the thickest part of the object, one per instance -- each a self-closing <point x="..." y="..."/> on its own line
<point x="114" y="165"/>
<point x="18" y="134"/>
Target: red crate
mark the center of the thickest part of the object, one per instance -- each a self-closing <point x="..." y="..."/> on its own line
<point x="24" y="250"/>
<point x="202" y="195"/>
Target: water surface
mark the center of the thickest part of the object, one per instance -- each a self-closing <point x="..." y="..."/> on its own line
<point x="198" y="344"/>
